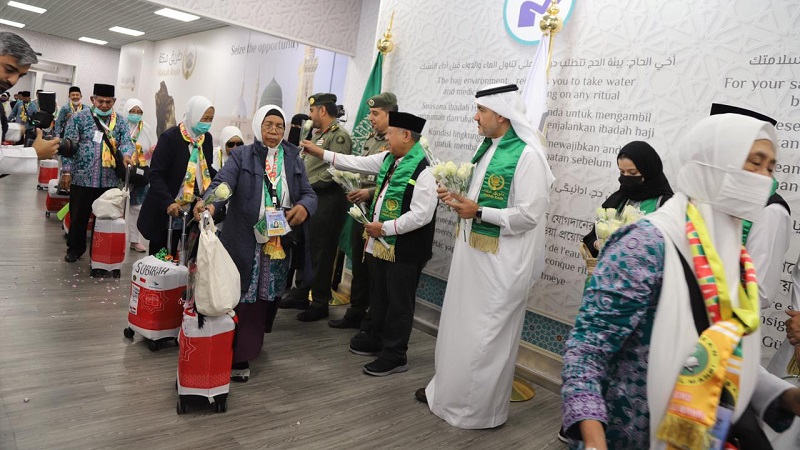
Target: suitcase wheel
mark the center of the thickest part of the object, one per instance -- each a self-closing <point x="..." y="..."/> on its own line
<point x="221" y="403"/>
<point x="181" y="409"/>
<point x="128" y="333"/>
<point x="47" y="214"/>
<point x="116" y="273"/>
<point x="95" y="273"/>
<point x="153" y="345"/>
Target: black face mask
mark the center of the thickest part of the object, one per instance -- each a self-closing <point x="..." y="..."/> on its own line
<point x="628" y="182"/>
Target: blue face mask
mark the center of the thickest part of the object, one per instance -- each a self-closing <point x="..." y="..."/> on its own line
<point x="134" y="118"/>
<point x="202" y="127"/>
<point x="102" y="113"/>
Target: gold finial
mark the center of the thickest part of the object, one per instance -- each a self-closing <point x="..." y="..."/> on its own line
<point x="550" y="22"/>
<point x="385" y="44"/>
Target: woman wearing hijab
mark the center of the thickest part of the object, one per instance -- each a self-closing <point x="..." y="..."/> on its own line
<point x="180" y="172"/>
<point x="642" y="184"/>
<point x="265" y="178"/>
<point x="144" y="139"/>
<point x="230" y="138"/>
<point x="645" y="367"/>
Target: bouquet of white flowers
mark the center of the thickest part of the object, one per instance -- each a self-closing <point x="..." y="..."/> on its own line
<point x="349" y="181"/>
<point x="609" y="221"/>
<point x="358" y="215"/>
<point x="452" y="176"/>
<point x="423" y="142"/>
<point x="221" y="193"/>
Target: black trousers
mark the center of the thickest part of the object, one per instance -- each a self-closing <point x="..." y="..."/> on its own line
<point x="393" y="294"/>
<point x="161" y="242"/>
<point x="80" y="208"/>
<point x="359" y="286"/>
<point x="324" y="229"/>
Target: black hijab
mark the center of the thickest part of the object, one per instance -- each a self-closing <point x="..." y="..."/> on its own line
<point x="648" y="163"/>
<point x="294" y="132"/>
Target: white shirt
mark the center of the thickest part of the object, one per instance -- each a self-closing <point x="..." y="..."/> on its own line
<point x="17" y="159"/>
<point x="271" y="156"/>
<point x="767" y="242"/>
<point x="423" y="200"/>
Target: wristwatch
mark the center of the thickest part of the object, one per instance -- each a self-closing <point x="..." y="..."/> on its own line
<point x="479" y="214"/>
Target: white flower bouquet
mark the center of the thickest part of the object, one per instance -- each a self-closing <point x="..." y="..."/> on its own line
<point x="358" y="215"/>
<point x="349" y="181"/>
<point x="609" y="221"/>
<point x="455" y="178"/>
<point x="221" y="193"/>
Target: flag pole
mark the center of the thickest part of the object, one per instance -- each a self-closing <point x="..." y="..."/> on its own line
<point x="551" y="24"/>
<point x="385" y="44"/>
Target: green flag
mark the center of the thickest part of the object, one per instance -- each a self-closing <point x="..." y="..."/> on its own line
<point x="361" y="130"/>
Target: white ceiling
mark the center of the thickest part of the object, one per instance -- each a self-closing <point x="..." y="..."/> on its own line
<point x="72" y="19"/>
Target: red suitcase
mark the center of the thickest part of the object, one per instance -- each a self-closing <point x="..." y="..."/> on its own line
<point x="206" y="355"/>
<point x="48" y="170"/>
<point x="89" y="226"/>
<point x="55" y="200"/>
<point x="109" y="246"/>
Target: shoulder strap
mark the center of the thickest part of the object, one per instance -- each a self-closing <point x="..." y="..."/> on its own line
<point x="103" y="130"/>
<point x="776" y="198"/>
<point x="701" y="322"/>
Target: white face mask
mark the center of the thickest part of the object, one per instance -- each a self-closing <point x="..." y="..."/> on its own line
<point x="743" y="194"/>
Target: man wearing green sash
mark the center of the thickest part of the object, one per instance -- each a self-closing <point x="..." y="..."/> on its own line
<point x="494" y="268"/>
<point x="400" y="238"/>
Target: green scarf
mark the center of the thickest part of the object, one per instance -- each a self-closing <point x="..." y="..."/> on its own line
<point x="393" y="198"/>
<point x="496" y="187"/>
<point x="748" y="225"/>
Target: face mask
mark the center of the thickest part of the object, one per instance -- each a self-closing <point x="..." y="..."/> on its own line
<point x="134" y="118"/>
<point x="628" y="182"/>
<point x="202" y="127"/>
<point x="103" y="113"/>
<point x="743" y="194"/>
<point x="76" y="103"/>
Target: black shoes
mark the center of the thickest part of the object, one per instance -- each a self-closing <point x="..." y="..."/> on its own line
<point x="313" y="314"/>
<point x="382" y="367"/>
<point x="365" y="346"/>
<point x="293" y="302"/>
<point x="345" y="322"/>
<point x="420" y="396"/>
<point x="562" y="437"/>
<point x="70" y="258"/>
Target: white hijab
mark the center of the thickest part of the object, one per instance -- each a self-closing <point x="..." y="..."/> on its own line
<point x="221" y="155"/>
<point x="261" y="114"/>
<point x="510" y="106"/>
<point x="146" y="137"/>
<point x="130" y="104"/>
<point x="713" y="145"/>
<point x="195" y="109"/>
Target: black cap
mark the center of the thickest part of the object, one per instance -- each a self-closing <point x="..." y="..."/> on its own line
<point x="719" y="108"/>
<point x="25" y="93"/>
<point x="104" y="90"/>
<point x="321" y="98"/>
<point x="406" y="121"/>
<point x="497" y="90"/>
<point x="74" y="89"/>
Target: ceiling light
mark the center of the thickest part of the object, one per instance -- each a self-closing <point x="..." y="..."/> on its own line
<point x="35" y="9"/>
<point x="11" y="23"/>
<point x="177" y="15"/>
<point x="92" y="41"/>
<point x="127" y="31"/>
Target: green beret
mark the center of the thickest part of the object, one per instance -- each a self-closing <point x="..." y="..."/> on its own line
<point x="321" y="98"/>
<point x="382" y="100"/>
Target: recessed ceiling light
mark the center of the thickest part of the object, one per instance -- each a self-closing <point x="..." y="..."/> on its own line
<point x="35" y="9"/>
<point x="92" y="41"/>
<point x="177" y="15"/>
<point x="11" y="23"/>
<point x="127" y="31"/>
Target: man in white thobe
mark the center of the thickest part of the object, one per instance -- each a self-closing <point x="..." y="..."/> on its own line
<point x="491" y="273"/>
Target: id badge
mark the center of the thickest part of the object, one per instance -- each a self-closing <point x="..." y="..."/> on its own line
<point x="277" y="225"/>
<point x="98" y="137"/>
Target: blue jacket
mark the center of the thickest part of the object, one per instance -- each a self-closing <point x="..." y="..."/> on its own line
<point x="244" y="173"/>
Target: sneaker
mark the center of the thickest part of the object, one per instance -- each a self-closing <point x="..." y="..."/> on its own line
<point x="313" y="314"/>
<point x="345" y="322"/>
<point x="293" y="302"/>
<point x="70" y="258"/>
<point x="137" y="247"/>
<point x="421" y="396"/>
<point x="365" y="347"/>
<point x="561" y="436"/>
<point x="240" y="375"/>
<point x="382" y="367"/>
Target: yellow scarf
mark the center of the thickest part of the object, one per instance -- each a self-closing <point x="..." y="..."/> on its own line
<point x="108" y="153"/>
<point x="195" y="157"/>
<point x="138" y="158"/>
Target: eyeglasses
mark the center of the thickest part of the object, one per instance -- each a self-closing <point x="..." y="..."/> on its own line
<point x="270" y="126"/>
<point x="233" y="144"/>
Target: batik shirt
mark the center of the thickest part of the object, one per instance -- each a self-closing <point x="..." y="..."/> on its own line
<point x="30" y="110"/>
<point x="64" y="114"/>
<point x="86" y="164"/>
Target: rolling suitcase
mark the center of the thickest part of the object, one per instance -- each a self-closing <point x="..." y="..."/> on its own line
<point x="157" y="288"/>
<point x="56" y="198"/>
<point x="110" y="242"/>
<point x="48" y="170"/>
<point x="206" y="354"/>
<point x="67" y="221"/>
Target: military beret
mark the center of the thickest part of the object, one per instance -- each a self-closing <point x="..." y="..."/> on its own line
<point x="321" y="98"/>
<point x="382" y="100"/>
<point x="406" y="121"/>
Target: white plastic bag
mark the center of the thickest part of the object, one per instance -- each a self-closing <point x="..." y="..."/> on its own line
<point x="111" y="204"/>
<point x="217" y="286"/>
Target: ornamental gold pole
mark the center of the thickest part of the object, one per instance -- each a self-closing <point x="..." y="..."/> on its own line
<point x="385" y="44"/>
<point x="551" y="24"/>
